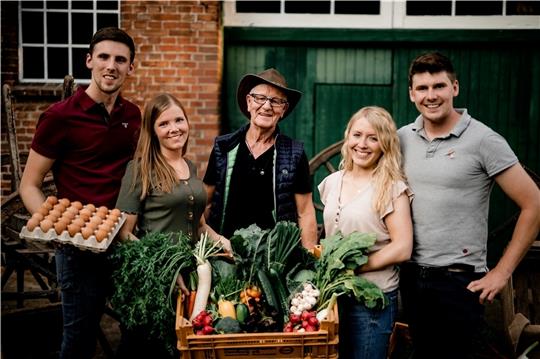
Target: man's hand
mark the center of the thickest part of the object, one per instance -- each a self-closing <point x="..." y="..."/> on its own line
<point x="489" y="285"/>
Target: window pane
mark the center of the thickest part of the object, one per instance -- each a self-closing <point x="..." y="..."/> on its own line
<point x="105" y="20"/>
<point x="57" y="63"/>
<point x="107" y="5"/>
<point x="80" y="71"/>
<point x="429" y="7"/>
<point x="258" y="6"/>
<point x="33" y="66"/>
<point x="82" y="5"/>
<point x="57" y="28"/>
<point x="307" y="7"/>
<point x="478" y="7"/>
<point x="81" y="28"/>
<point x="522" y="7"/>
<point x="357" y="7"/>
<point x="32" y="27"/>
<point x="57" y="4"/>
<point x="31" y="4"/>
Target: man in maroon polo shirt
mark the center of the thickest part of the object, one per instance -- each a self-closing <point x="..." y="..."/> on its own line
<point x="86" y="140"/>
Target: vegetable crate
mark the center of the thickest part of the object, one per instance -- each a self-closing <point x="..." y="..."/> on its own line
<point x="320" y="344"/>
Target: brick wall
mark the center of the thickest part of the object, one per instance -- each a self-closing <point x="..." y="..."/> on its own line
<point x="179" y="50"/>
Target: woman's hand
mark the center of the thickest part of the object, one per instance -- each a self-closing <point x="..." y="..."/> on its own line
<point x="182" y="285"/>
<point x="226" y="245"/>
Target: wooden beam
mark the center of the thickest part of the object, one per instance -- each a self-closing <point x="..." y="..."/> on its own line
<point x="16" y="171"/>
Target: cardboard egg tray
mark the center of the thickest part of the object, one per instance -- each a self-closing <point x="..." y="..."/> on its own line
<point x="90" y="243"/>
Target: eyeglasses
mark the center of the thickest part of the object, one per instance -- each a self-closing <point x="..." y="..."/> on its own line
<point x="274" y="101"/>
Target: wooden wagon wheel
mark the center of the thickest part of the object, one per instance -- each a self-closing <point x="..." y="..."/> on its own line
<point x="320" y="160"/>
<point x="19" y="255"/>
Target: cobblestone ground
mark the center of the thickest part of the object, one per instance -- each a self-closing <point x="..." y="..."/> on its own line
<point x="109" y="326"/>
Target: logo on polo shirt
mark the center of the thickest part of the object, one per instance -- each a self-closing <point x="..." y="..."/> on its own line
<point x="124" y="124"/>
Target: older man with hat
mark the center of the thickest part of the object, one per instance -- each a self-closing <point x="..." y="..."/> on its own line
<point x="256" y="175"/>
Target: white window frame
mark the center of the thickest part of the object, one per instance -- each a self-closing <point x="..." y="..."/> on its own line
<point x="232" y="18"/>
<point x="392" y="16"/>
<point x="45" y="45"/>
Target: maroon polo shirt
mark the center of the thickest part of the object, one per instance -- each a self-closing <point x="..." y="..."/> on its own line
<point x="91" y="149"/>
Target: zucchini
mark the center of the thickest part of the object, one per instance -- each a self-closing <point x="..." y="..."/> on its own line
<point x="281" y="293"/>
<point x="267" y="289"/>
<point x="242" y="312"/>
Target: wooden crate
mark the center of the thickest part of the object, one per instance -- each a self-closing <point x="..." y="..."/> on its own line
<point x="320" y="344"/>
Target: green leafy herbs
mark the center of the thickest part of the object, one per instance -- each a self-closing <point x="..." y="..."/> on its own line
<point x="144" y="278"/>
<point x="249" y="247"/>
<point x="282" y="240"/>
<point x="255" y="248"/>
<point x="334" y="271"/>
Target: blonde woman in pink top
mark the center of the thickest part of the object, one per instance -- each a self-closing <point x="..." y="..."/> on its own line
<point x="369" y="194"/>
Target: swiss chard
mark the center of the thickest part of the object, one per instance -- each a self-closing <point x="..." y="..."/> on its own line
<point x="334" y="271"/>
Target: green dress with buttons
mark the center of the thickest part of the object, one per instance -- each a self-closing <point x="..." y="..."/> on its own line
<point x="177" y="211"/>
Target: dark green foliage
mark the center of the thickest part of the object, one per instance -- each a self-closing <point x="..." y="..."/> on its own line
<point x="228" y="325"/>
<point x="144" y="278"/>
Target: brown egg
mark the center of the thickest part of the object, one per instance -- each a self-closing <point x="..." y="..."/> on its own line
<point x="116" y="212"/>
<point x="38" y="216"/>
<point x="91" y="225"/>
<point x="47" y="205"/>
<point x="111" y="222"/>
<point x="87" y="232"/>
<point x="101" y="235"/>
<point x="32" y="224"/>
<point x="96" y="220"/>
<point x="45" y="225"/>
<point x="72" y="209"/>
<point x="78" y="221"/>
<point x="51" y="218"/>
<point x="44" y="211"/>
<point x="73" y="229"/>
<point x="77" y="204"/>
<point x="101" y="215"/>
<point x="55" y="212"/>
<point x="52" y="200"/>
<point x="68" y="215"/>
<point x="59" y="227"/>
<point x="103" y="209"/>
<point x="64" y="220"/>
<point x="65" y="202"/>
<point x="105" y="227"/>
<point x="60" y="206"/>
<point x="86" y="212"/>
<point x="91" y="207"/>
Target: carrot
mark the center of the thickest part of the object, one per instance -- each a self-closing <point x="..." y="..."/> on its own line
<point x="191" y="302"/>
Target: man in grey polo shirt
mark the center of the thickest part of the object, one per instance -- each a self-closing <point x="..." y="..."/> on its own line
<point x="452" y="161"/>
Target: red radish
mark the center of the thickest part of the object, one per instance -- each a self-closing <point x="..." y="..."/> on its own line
<point x="309" y="328"/>
<point x="207" y="329"/>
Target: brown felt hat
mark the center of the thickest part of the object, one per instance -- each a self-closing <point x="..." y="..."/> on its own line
<point x="271" y="77"/>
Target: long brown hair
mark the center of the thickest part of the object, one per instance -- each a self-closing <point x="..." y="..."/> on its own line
<point x="149" y="163"/>
<point x="388" y="168"/>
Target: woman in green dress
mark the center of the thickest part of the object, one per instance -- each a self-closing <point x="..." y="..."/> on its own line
<point x="161" y="192"/>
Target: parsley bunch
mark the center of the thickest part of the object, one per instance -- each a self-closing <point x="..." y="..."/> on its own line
<point x="144" y="278"/>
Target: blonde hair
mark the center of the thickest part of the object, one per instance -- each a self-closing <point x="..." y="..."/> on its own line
<point x="149" y="163"/>
<point x="388" y="169"/>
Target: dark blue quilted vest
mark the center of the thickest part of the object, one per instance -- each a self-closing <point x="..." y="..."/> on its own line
<point x="289" y="153"/>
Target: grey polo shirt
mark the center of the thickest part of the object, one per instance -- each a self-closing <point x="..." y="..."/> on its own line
<point x="452" y="178"/>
